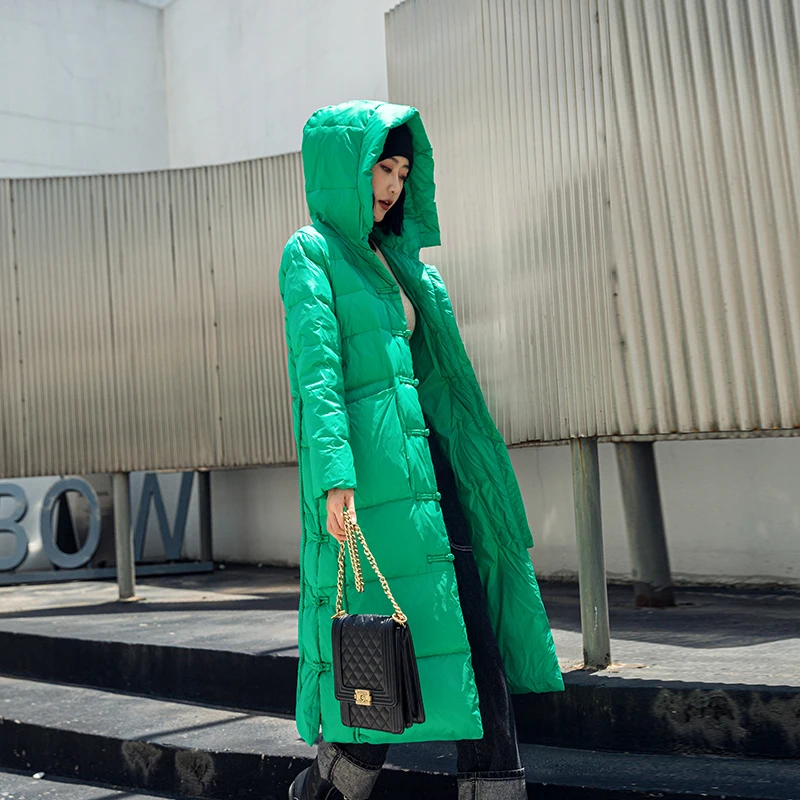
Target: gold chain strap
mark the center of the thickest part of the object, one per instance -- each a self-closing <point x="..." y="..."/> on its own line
<point x="353" y="535"/>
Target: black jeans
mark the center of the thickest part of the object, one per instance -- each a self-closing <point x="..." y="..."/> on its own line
<point x="488" y="767"/>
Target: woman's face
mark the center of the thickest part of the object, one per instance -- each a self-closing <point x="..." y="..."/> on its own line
<point x="388" y="178"/>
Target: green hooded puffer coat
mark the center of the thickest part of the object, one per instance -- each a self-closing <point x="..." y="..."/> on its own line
<point x="359" y="386"/>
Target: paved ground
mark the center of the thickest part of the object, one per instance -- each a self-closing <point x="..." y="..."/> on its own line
<point x="16" y="786"/>
<point x="725" y="636"/>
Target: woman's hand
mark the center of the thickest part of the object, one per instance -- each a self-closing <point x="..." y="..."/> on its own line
<point x="337" y="500"/>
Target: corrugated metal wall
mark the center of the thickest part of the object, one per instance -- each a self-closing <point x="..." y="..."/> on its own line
<point x="703" y="116"/>
<point x="618" y="185"/>
<point x="142" y="327"/>
<point x="511" y="97"/>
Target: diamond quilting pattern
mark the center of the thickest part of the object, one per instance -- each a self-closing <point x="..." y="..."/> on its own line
<point x="362" y="655"/>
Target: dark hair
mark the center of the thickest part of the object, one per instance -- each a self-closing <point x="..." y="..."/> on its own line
<point x="392" y="221"/>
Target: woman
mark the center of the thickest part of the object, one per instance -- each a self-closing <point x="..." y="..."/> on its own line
<point x="390" y="422"/>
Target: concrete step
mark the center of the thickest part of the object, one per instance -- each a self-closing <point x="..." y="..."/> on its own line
<point x="183" y="749"/>
<point x="147" y="654"/>
<point x="23" y="786"/>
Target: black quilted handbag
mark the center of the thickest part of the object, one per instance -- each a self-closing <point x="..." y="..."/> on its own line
<point x="375" y="672"/>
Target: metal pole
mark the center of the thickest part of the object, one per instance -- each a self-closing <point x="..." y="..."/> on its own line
<point x="204" y="499"/>
<point x="591" y="559"/>
<point x="652" y="579"/>
<point x="123" y="536"/>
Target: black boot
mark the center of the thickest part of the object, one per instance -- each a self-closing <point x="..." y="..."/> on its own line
<point x="310" y="785"/>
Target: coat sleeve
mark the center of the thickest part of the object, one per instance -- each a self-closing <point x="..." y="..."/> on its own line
<point x="314" y="343"/>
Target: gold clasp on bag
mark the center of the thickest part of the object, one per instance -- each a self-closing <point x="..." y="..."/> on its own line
<point x="363" y="697"/>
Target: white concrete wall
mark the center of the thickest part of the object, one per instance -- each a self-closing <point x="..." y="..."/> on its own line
<point x="243" y="76"/>
<point x="82" y="88"/>
<point x="730" y="508"/>
<point x="731" y="511"/>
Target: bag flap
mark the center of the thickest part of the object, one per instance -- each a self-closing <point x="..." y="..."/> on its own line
<point x="365" y="657"/>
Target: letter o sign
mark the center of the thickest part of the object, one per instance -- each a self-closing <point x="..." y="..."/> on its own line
<point x="57" y="556"/>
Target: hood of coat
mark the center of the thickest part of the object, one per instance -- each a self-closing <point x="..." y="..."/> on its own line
<point x="341" y="145"/>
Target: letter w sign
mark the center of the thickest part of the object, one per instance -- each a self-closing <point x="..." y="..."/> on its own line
<point x="151" y="493"/>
